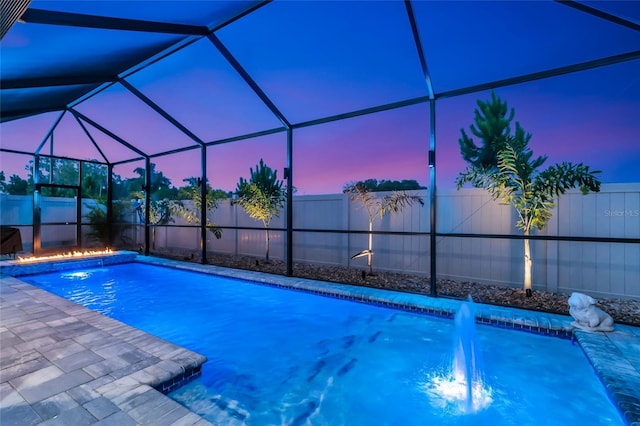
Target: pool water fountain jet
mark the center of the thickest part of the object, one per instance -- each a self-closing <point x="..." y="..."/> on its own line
<point x="466" y="356"/>
<point x="463" y="385"/>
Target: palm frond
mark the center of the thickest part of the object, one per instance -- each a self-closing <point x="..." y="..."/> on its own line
<point x="558" y="178"/>
<point x="397" y="201"/>
<point x="359" y="193"/>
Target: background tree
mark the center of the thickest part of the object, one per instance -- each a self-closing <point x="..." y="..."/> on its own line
<point x="394" y="203"/>
<point x="510" y="174"/>
<point x="163" y="198"/>
<point x="20" y="186"/>
<point x="192" y="192"/>
<point x="94" y="180"/>
<point x="160" y="185"/>
<point x="59" y="171"/>
<point x="160" y="211"/>
<point x="63" y="172"/>
<point x="373" y="185"/>
<point x="102" y="232"/>
<point x="262" y="196"/>
<point x="492" y="126"/>
<point x="16" y="186"/>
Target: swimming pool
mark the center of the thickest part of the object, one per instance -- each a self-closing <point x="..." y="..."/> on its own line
<point x="284" y="357"/>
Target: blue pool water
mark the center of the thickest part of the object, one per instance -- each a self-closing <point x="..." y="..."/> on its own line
<point x="282" y="357"/>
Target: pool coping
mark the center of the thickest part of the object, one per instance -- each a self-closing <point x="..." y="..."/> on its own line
<point x="615" y="356"/>
<point x="62" y="363"/>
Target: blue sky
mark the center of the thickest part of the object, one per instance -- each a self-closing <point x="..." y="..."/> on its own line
<point x="318" y="59"/>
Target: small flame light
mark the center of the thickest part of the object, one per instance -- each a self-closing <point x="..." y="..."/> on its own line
<point x="62" y="256"/>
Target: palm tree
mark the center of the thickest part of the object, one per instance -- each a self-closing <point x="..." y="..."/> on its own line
<point x="492" y="126"/>
<point x="161" y="212"/>
<point x="393" y="203"/>
<point x="514" y="179"/>
<point x="192" y="215"/>
<point x="102" y="232"/>
<point x="262" y="197"/>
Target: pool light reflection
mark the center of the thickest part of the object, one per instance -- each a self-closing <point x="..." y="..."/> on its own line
<point x="452" y="392"/>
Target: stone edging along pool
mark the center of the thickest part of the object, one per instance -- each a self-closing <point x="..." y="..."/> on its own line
<point x="63" y="362"/>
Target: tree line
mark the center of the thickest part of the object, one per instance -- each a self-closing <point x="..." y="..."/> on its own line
<point x="94" y="181"/>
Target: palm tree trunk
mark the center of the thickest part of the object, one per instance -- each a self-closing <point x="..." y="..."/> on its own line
<point x="528" y="264"/>
<point x="370" y="254"/>
<point x="267" y="256"/>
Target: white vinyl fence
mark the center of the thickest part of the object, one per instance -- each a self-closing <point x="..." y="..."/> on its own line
<point x="597" y="268"/>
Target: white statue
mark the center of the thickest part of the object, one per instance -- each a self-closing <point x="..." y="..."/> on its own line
<point x="587" y="315"/>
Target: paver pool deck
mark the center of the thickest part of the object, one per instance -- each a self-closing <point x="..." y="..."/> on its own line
<point x="63" y="364"/>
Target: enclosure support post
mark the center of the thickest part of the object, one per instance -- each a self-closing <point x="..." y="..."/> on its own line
<point x="203" y="205"/>
<point x="79" y="206"/>
<point x="37" y="205"/>
<point x="289" y="176"/>
<point x="432" y="145"/>
<point x="432" y="198"/>
<point x="147" y="203"/>
<point x="110" y="236"/>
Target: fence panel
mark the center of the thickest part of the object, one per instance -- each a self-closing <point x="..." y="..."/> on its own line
<point x="598" y="268"/>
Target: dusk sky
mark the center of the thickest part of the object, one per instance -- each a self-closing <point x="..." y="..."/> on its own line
<point x="319" y="59"/>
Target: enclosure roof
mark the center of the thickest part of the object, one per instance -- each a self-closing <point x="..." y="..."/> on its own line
<point x="60" y="51"/>
<point x="56" y="55"/>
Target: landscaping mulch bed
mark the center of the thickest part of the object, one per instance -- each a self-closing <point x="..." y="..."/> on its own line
<point x="623" y="311"/>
